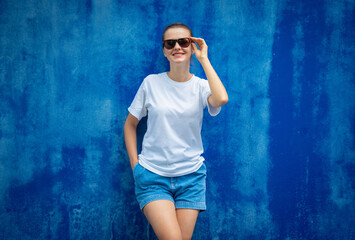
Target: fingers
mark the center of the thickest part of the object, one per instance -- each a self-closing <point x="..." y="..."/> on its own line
<point x="201" y="51"/>
<point x="194" y="46"/>
<point x="199" y="41"/>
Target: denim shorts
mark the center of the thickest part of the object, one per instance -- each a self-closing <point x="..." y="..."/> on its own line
<point x="186" y="191"/>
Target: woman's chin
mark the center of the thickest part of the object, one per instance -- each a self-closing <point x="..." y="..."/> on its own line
<point x="179" y="60"/>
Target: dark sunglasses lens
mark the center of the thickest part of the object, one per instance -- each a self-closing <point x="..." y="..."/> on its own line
<point x="169" y="44"/>
<point x="184" y="42"/>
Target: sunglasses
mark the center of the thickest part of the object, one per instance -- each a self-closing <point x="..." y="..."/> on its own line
<point x="183" y="42"/>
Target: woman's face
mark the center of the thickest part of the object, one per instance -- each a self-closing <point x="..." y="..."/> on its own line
<point x="177" y="54"/>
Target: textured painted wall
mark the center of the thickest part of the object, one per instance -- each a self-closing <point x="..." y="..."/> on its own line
<point x="280" y="156"/>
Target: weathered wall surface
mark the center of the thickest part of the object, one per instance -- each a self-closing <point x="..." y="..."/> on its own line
<point x="280" y="156"/>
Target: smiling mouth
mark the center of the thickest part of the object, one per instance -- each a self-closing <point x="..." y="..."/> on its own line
<point x="178" y="54"/>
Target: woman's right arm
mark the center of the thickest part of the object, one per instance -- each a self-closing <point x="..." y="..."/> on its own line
<point x="130" y="136"/>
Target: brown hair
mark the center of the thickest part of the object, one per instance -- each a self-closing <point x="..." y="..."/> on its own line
<point x="177" y="25"/>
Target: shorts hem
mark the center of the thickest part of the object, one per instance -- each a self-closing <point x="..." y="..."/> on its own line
<point x="154" y="198"/>
<point x="191" y="205"/>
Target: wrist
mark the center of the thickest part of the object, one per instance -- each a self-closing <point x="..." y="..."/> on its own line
<point x="204" y="61"/>
<point x="134" y="160"/>
<point x="133" y="164"/>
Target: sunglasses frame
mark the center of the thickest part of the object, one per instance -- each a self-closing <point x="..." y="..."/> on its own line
<point x="177" y="41"/>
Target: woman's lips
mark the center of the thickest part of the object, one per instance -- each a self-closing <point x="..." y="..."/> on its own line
<point x="178" y="54"/>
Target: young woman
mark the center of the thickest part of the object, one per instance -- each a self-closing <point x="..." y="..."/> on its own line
<point x="170" y="173"/>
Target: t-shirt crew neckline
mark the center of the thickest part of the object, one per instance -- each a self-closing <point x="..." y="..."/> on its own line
<point x="171" y="81"/>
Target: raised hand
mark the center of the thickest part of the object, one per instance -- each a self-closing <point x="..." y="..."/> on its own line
<point x="201" y="52"/>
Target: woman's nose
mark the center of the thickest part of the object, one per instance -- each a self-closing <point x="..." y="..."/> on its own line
<point x="177" y="46"/>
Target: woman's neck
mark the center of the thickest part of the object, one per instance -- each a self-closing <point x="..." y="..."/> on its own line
<point x="180" y="72"/>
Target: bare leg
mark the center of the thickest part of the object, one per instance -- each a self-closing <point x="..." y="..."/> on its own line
<point x="187" y="220"/>
<point x="162" y="216"/>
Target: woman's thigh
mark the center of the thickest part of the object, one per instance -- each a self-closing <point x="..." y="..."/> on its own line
<point x="161" y="215"/>
<point x="187" y="220"/>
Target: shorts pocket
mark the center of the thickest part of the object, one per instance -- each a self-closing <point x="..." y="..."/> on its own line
<point x="135" y="167"/>
<point x="137" y="171"/>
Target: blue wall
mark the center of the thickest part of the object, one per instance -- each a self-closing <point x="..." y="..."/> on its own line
<point x="280" y="156"/>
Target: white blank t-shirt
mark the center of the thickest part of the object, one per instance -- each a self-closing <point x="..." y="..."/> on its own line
<point x="172" y="145"/>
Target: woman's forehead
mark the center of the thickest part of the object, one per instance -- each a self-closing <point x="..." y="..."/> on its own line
<point x="174" y="33"/>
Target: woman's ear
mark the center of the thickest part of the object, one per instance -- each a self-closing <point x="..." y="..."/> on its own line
<point x="164" y="52"/>
<point x="193" y="48"/>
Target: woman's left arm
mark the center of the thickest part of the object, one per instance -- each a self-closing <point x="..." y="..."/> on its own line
<point x="219" y="94"/>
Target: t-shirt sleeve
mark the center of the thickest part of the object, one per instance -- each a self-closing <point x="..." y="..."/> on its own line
<point x="206" y="92"/>
<point x="138" y="107"/>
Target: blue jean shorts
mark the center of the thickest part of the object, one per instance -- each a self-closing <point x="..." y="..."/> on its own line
<point x="188" y="191"/>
